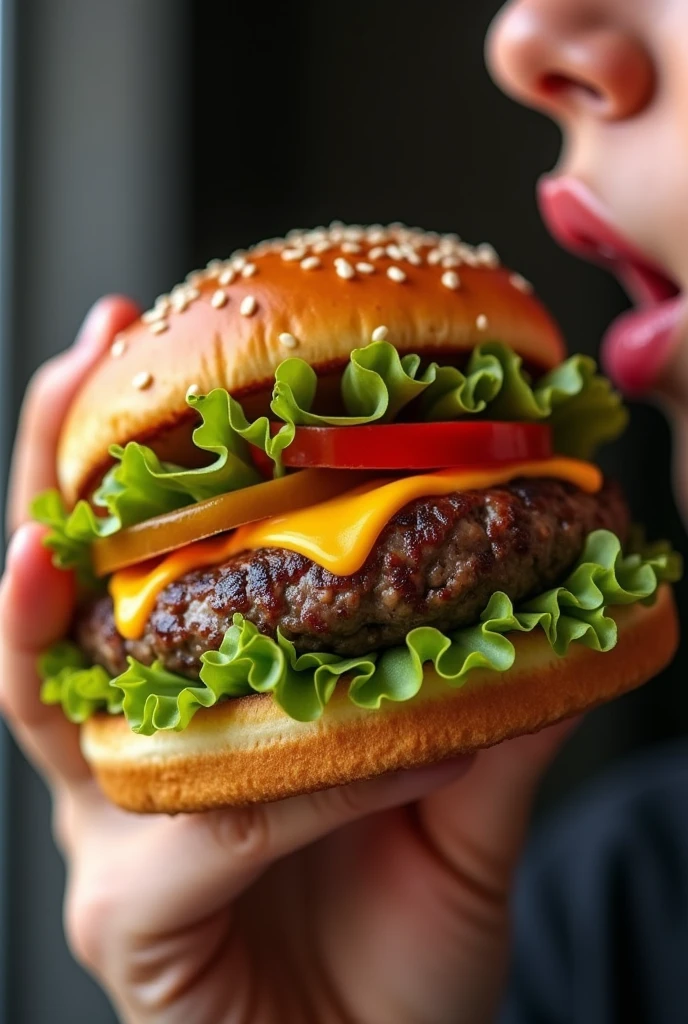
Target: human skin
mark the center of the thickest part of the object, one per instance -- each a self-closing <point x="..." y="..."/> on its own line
<point x="614" y="75"/>
<point x="386" y="901"/>
<point x="382" y="901"/>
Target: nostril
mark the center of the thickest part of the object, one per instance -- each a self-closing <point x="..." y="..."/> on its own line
<point x="557" y="86"/>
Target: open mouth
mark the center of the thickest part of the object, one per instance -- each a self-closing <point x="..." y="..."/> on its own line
<point x="637" y="344"/>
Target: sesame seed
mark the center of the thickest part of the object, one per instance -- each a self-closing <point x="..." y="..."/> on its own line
<point x="142" y="380"/>
<point x="365" y="268"/>
<point x="468" y="255"/>
<point x="518" y="281"/>
<point x="180" y="302"/>
<point x="227" y="276"/>
<point x="376" y="252"/>
<point x="450" y="279"/>
<point x="375" y="234"/>
<point x="289" y="255"/>
<point x="310" y="263"/>
<point x="179" y="295"/>
<point x="219" y="299"/>
<point x="249" y="270"/>
<point x="396" y="274"/>
<point x="394" y="252"/>
<point x="434" y="256"/>
<point x="193" y="389"/>
<point x="158" y="327"/>
<point x="196" y="276"/>
<point x="192" y="293"/>
<point x="288" y="340"/>
<point x="380" y="333"/>
<point x="344" y="269"/>
<point x="238" y="262"/>
<point x="486" y="256"/>
<point x="412" y="257"/>
<point x="213" y="265"/>
<point x="451" y="261"/>
<point x="322" y="246"/>
<point x="481" y="322"/>
<point x="350" y="247"/>
<point x="118" y="348"/>
<point x="248" y="305"/>
<point x="157" y="313"/>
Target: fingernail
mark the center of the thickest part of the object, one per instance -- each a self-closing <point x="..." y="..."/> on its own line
<point x="90" y="326"/>
<point x="16" y="547"/>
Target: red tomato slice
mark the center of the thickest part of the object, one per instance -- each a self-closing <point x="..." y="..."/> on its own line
<point x="401" y="446"/>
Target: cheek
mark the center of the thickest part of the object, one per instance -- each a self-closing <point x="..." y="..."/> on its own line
<point x="671" y="114"/>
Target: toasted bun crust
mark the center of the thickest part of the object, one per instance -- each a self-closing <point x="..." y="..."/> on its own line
<point x="199" y="337"/>
<point x="248" y="750"/>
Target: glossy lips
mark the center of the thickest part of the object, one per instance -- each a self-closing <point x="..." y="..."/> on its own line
<point x="638" y="343"/>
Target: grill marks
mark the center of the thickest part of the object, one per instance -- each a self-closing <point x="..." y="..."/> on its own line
<point x="437" y="563"/>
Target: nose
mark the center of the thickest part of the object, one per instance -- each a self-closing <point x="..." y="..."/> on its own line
<point x="556" y="56"/>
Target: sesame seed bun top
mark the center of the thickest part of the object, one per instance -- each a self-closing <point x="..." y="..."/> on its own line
<point x="316" y="294"/>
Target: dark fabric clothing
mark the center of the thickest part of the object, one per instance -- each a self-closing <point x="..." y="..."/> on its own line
<point x="601" y="905"/>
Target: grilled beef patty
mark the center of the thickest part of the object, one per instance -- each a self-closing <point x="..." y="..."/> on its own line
<point x="436" y="563"/>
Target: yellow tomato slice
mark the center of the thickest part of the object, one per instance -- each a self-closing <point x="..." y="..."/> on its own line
<point x="216" y="515"/>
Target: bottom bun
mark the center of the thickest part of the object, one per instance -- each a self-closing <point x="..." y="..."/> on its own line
<point x="247" y="750"/>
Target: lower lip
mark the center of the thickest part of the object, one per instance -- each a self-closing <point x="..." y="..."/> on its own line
<point x="639" y="343"/>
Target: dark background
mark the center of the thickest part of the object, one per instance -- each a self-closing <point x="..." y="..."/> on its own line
<point x="143" y="137"/>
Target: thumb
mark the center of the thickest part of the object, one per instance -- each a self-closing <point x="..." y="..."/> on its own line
<point x="219" y="853"/>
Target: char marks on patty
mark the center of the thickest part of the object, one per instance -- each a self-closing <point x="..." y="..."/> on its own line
<point x="436" y="563"/>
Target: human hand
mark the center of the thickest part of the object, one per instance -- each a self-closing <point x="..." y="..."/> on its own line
<point x="382" y="901"/>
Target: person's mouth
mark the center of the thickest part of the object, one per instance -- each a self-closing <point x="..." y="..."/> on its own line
<point x="639" y="343"/>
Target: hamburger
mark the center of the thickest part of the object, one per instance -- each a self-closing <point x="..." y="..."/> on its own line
<point x="333" y="510"/>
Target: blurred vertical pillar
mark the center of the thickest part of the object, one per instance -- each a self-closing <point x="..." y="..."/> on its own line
<point x="7" y="40"/>
<point x="98" y="146"/>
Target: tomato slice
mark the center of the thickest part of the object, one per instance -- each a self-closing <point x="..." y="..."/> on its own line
<point x="216" y="515"/>
<point x="410" y="446"/>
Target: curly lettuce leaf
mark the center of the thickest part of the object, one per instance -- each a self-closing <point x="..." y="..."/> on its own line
<point x="80" y="688"/>
<point x="153" y="699"/>
<point x="69" y="550"/>
<point x="140" y="486"/>
<point x="378" y="384"/>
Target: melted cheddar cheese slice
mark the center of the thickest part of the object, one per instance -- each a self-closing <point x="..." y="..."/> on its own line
<point x="338" y="533"/>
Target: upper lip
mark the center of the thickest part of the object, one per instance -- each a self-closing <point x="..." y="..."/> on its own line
<point x="579" y="222"/>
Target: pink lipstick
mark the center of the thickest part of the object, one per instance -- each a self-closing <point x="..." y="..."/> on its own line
<point x="638" y="343"/>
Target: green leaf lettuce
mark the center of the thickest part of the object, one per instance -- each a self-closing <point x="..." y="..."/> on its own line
<point x="248" y="662"/>
<point x="377" y="386"/>
<point x="140" y="486"/>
